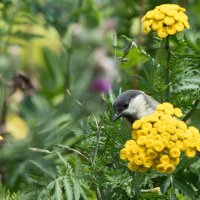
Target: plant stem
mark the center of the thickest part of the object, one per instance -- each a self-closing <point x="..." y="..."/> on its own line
<point x="172" y="195"/>
<point x="167" y="68"/>
<point x="68" y="71"/>
<point x="189" y="114"/>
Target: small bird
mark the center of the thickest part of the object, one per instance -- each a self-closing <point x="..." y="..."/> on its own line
<point x="133" y="105"/>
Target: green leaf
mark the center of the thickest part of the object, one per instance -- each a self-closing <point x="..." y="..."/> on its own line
<point x="68" y="189"/>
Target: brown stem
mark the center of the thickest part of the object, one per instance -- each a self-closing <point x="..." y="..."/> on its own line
<point x="189" y="114"/>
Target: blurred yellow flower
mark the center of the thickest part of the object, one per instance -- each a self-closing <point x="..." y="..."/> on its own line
<point x="167" y="19"/>
<point x="190" y="152"/>
<point x="17" y="127"/>
<point x="169" y="168"/>
<point x="174" y="152"/>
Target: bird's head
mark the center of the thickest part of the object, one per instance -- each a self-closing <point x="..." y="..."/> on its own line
<point x="133" y="104"/>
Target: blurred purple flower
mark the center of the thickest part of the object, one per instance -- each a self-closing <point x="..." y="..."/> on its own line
<point x="101" y="84"/>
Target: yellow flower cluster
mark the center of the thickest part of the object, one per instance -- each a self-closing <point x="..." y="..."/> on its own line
<point x="158" y="140"/>
<point x="166" y="19"/>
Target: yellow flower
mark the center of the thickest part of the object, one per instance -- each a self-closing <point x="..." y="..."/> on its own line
<point x="146" y="126"/>
<point x="178" y="112"/>
<point x="198" y="145"/>
<point x="158" y="146"/>
<point x="186" y="24"/>
<point x="149" y="15"/>
<point x="190" y="152"/>
<point x="160" y="168"/>
<point x="179" y="26"/>
<point x="123" y="154"/>
<point x="157" y="124"/>
<point x="130" y="143"/>
<point x="156" y="25"/>
<point x="1" y="138"/>
<point x="174" y="161"/>
<point x="174" y="138"/>
<point x="147" y="162"/>
<point x="158" y="15"/>
<point x="165" y="135"/>
<point x="137" y="160"/>
<point x="132" y="166"/>
<point x="171" y="144"/>
<point x="134" y="134"/>
<point x="141" y="133"/>
<point x="151" y="153"/>
<point x="181" y="17"/>
<point x="171" y="30"/>
<point x="158" y="113"/>
<point x="180" y="133"/>
<point x="193" y="130"/>
<point x="153" y="131"/>
<point x="149" y="143"/>
<point x="130" y="155"/>
<point x="160" y="107"/>
<point x="169" y="168"/>
<point x="180" y="145"/>
<point x="17" y="127"/>
<point x="164" y="159"/>
<point x="166" y="117"/>
<point x="174" y="152"/>
<point x="171" y="129"/>
<point x="146" y="29"/>
<point x="169" y="21"/>
<point x="162" y="32"/>
<point x="169" y="111"/>
<point x="141" y="140"/>
<point x="181" y="125"/>
<point x="161" y="129"/>
<point x="137" y="124"/>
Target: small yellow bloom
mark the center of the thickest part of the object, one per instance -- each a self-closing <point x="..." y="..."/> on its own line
<point x="149" y="14"/>
<point x="180" y="145"/>
<point x="181" y="125"/>
<point x="158" y="113"/>
<point x="186" y="24"/>
<point x="179" y="26"/>
<point x="153" y="131"/>
<point x="1" y="138"/>
<point x="134" y="134"/>
<point x="137" y="160"/>
<point x="171" y="30"/>
<point x="149" y="143"/>
<point x="160" y="107"/>
<point x="146" y="29"/>
<point x="160" y="168"/>
<point x="151" y="153"/>
<point x="158" y="15"/>
<point x="130" y="155"/>
<point x="132" y="166"/>
<point x="181" y="17"/>
<point x="169" y="168"/>
<point x="130" y="143"/>
<point x="142" y="133"/>
<point x="162" y="128"/>
<point x="166" y="117"/>
<point x="174" y="138"/>
<point x="190" y="152"/>
<point x="171" y="129"/>
<point x="193" y="130"/>
<point x="180" y="133"/>
<point x="156" y="25"/>
<point x="158" y="146"/>
<point x="174" y="161"/>
<point x="165" y="135"/>
<point x="169" y="21"/>
<point x="123" y="154"/>
<point x="171" y="144"/>
<point x="141" y="140"/>
<point x="137" y="124"/>
<point x="174" y="152"/>
<point x="169" y="111"/>
<point x="147" y="162"/>
<point x="146" y="126"/>
<point x="164" y="159"/>
<point x="162" y="32"/>
<point x="178" y="112"/>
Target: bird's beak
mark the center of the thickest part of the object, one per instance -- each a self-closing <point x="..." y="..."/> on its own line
<point x="116" y="116"/>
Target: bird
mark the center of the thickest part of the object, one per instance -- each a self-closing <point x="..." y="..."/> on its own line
<point x="133" y="105"/>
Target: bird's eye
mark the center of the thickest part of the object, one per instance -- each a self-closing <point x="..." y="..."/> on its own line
<point x="126" y="105"/>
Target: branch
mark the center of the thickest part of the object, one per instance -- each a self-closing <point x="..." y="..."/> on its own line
<point x="189" y="114"/>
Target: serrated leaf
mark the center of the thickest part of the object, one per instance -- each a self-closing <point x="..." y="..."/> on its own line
<point x="68" y="189"/>
<point x="58" y="190"/>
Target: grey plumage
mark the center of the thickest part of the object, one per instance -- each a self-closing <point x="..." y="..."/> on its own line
<point x="133" y="104"/>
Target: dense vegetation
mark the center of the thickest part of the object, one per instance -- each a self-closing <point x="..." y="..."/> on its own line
<point x="62" y="64"/>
